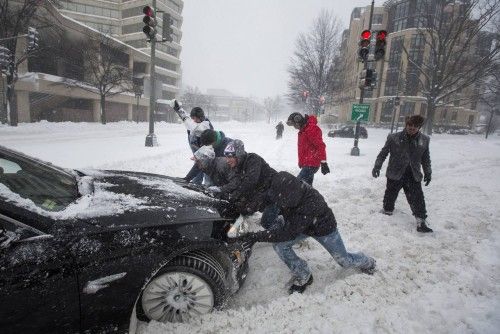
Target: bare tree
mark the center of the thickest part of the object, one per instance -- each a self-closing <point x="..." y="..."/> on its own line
<point x="192" y="97"/>
<point x="15" y="18"/>
<point x="272" y="107"/>
<point x="456" y="52"/>
<point x="311" y="66"/>
<point x="491" y="99"/>
<point x="106" y="69"/>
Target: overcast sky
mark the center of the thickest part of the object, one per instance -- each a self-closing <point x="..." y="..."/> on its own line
<point x="245" y="45"/>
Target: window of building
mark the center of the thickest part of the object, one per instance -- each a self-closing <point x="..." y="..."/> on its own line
<point x="471" y="120"/>
<point x="443" y="114"/>
<point x="378" y="18"/>
<point x="407" y="109"/>
<point x="387" y="111"/>
<point x="166" y="80"/>
<point x="166" y="64"/>
<point x="454" y="116"/>
<point x="391" y="82"/>
<point x="423" y="110"/>
<point x="400" y="16"/>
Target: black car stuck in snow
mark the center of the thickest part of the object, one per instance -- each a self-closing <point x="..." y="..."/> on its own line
<point x="96" y="251"/>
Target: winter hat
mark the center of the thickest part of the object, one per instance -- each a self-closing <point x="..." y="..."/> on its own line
<point x="205" y="153"/>
<point x="295" y="118"/>
<point x="208" y="137"/>
<point x="235" y="149"/>
<point x="198" y="112"/>
<point x="415" y="120"/>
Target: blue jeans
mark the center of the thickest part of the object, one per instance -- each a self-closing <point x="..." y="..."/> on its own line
<point x="332" y="243"/>
<point x="306" y="174"/>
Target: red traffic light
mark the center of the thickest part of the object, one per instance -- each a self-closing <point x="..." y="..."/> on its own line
<point x="148" y="11"/>
<point x="381" y="35"/>
<point x="366" y="34"/>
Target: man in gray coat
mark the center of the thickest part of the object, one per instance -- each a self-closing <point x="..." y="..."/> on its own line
<point x="409" y="149"/>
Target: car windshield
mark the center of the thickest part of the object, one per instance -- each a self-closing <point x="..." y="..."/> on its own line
<point x="47" y="187"/>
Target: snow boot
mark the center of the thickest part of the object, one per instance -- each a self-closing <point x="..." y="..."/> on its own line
<point x="386" y="212"/>
<point x="370" y="270"/>
<point x="300" y="287"/>
<point x="422" y="226"/>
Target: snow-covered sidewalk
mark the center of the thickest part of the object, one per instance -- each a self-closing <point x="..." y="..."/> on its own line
<point x="446" y="282"/>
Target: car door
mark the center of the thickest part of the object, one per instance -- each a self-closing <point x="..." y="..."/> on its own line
<point x="38" y="286"/>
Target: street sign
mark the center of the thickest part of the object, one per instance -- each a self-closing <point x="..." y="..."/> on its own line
<point x="360" y="112"/>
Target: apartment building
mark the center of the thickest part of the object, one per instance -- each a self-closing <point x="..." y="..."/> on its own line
<point x="41" y="92"/>
<point x="398" y="79"/>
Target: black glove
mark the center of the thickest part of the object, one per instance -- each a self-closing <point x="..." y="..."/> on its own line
<point x="375" y="172"/>
<point x="324" y="168"/>
<point x="427" y="179"/>
<point x="177" y="107"/>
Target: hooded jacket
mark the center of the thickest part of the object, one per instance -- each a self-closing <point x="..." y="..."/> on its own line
<point x="303" y="208"/>
<point x="405" y="151"/>
<point x="311" y="148"/>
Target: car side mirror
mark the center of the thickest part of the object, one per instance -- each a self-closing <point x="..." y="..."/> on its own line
<point x="7" y="238"/>
<point x="86" y="185"/>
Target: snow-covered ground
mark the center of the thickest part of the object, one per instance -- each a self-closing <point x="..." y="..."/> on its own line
<point x="445" y="282"/>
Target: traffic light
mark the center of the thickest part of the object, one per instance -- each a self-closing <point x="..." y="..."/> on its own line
<point x="149" y="21"/>
<point x="168" y="31"/>
<point x="380" y="44"/>
<point x="33" y="38"/>
<point x="367" y="79"/>
<point x="5" y="58"/>
<point x="364" y="45"/>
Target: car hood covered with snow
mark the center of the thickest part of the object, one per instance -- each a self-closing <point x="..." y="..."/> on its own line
<point x="125" y="198"/>
<point x="122" y="200"/>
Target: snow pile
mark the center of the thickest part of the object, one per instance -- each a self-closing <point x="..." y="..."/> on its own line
<point x="444" y="282"/>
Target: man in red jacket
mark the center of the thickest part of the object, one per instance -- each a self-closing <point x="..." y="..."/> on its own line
<point x="311" y="148"/>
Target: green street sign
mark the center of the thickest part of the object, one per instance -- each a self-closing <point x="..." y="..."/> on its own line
<point x="360" y="112"/>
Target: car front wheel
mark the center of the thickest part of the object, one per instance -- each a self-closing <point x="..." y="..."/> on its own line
<point x="187" y="287"/>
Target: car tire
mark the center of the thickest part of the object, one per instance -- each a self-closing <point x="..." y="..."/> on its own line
<point x="186" y="287"/>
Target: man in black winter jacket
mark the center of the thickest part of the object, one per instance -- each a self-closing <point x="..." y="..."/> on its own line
<point x="306" y="214"/>
<point x="408" y="149"/>
<point x="253" y="177"/>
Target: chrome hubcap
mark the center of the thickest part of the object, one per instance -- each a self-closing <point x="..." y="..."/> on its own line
<point x="176" y="297"/>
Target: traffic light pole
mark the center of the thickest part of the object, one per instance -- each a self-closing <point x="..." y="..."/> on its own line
<point x="355" y="149"/>
<point x="151" y="139"/>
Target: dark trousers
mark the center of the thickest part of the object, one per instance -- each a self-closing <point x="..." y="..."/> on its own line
<point x="306" y="174"/>
<point x="413" y="192"/>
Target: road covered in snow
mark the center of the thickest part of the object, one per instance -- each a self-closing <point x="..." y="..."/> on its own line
<point x="442" y="282"/>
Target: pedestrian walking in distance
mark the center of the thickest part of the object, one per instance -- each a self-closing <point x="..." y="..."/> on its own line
<point x="279" y="130"/>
